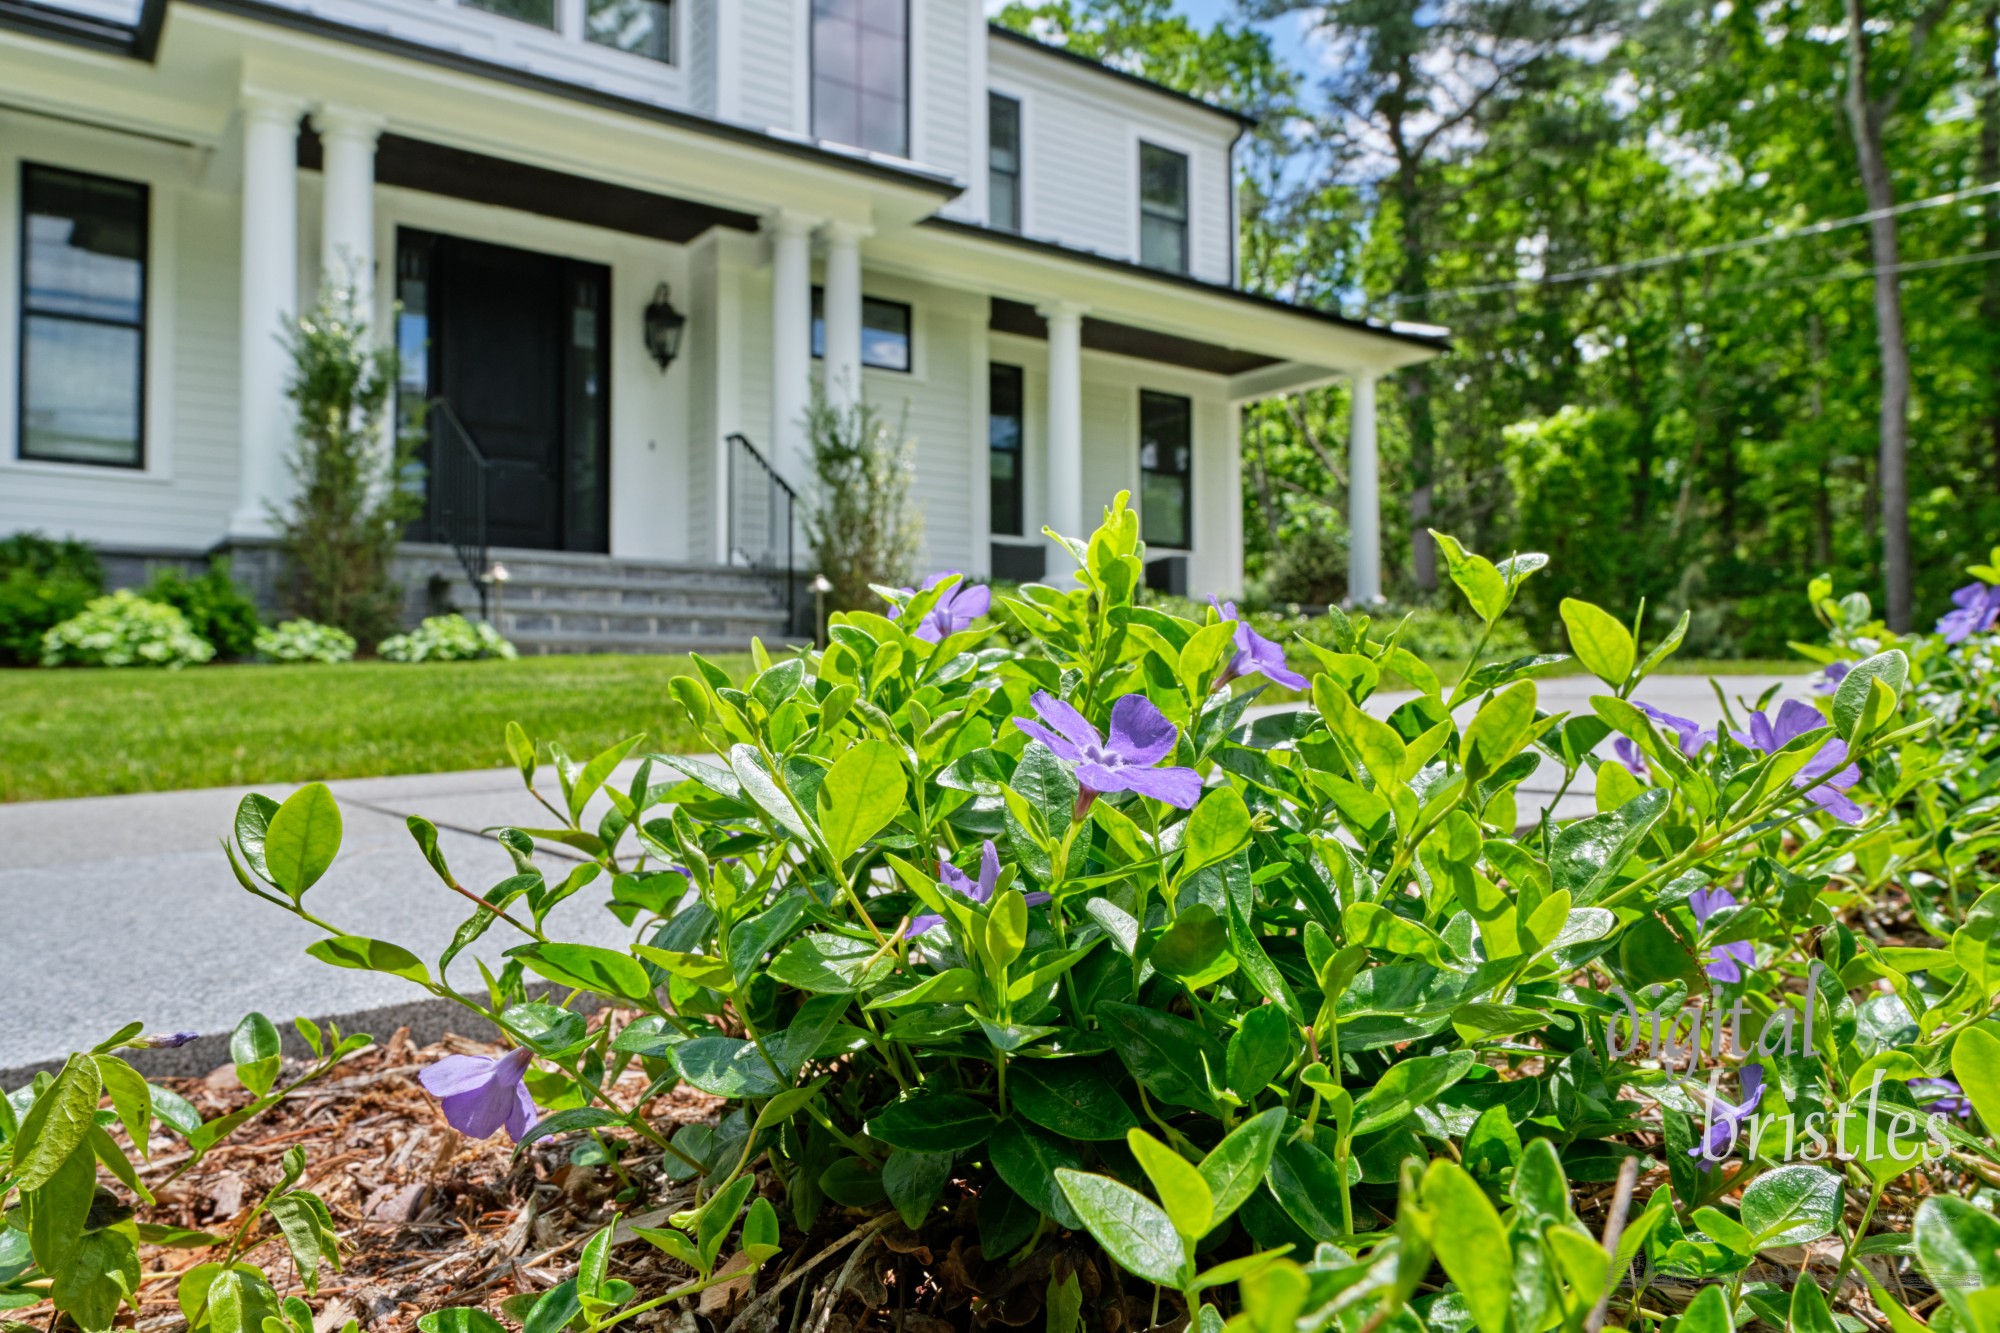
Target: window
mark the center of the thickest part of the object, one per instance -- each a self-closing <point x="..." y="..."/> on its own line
<point x="861" y="74"/>
<point x="541" y="13"/>
<point x="1163" y="208"/>
<point x="83" y="318"/>
<point x="1005" y="427"/>
<point x="885" y="331"/>
<point x="1003" y="162"/>
<point x="643" y="27"/>
<point x="1166" y="456"/>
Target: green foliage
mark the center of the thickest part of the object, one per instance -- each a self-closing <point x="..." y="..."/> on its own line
<point x="74" y="1195"/>
<point x="450" y="638"/>
<point x="1305" y="1005"/>
<point x="214" y="606"/>
<point x="859" y="523"/>
<point x="350" y="507"/>
<point x="125" y="629"/>
<point x="304" y="641"/>
<point x="42" y="584"/>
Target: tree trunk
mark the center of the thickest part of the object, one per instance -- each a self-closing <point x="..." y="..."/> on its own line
<point x="1989" y="173"/>
<point x="1865" y="118"/>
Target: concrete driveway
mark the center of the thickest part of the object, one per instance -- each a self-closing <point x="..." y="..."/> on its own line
<point x="119" y="908"/>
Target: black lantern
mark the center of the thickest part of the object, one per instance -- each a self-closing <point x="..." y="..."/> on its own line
<point x="664" y="325"/>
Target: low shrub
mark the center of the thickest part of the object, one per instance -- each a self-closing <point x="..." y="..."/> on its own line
<point x="446" y="639"/>
<point x="42" y="584"/>
<point x="214" y="605"/>
<point x="125" y="629"/>
<point x="1056" y="951"/>
<point x="304" y="641"/>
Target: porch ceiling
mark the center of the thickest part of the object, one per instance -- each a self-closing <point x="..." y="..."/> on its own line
<point x="1103" y="335"/>
<point x="460" y="173"/>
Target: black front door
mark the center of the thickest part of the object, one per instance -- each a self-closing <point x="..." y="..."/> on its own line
<point x="517" y="346"/>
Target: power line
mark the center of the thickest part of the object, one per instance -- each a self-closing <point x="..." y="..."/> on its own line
<point x="1702" y="251"/>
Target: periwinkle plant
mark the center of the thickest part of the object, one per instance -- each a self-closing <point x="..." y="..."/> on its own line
<point x="1033" y="927"/>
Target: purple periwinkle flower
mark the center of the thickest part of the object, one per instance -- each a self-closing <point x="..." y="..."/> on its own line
<point x="1255" y="654"/>
<point x="957" y="607"/>
<point x="1978" y="607"/>
<point x="1693" y="737"/>
<point x="1944" y="1096"/>
<point x="1830" y="676"/>
<point x="1725" y="1120"/>
<point x="1795" y="719"/>
<point x="1726" y="962"/>
<point x="979" y="890"/>
<point x="1629" y="755"/>
<point x="1141" y="737"/>
<point x="161" y="1041"/>
<point x="483" y="1093"/>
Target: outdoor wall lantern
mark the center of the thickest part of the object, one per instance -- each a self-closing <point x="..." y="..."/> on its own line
<point x="664" y="326"/>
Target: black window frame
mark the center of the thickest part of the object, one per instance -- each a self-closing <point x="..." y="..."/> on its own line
<point x="1016" y="524"/>
<point x="26" y="311"/>
<point x="1012" y="222"/>
<point x="909" y="317"/>
<point x="813" y="20"/>
<point x="672" y="57"/>
<point x="1148" y="515"/>
<point x="554" y="24"/>
<point x="1149" y="210"/>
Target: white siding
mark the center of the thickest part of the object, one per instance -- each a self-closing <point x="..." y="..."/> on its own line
<point x="1080" y="133"/>
<point x="942" y="89"/>
<point x="768" y="61"/>
<point x="701" y="55"/>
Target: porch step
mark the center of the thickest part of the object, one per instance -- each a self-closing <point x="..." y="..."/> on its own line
<point x="557" y="602"/>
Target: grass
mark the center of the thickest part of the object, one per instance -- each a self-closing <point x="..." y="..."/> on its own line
<point x="94" y="733"/>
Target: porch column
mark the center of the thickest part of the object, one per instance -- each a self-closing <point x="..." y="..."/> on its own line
<point x="269" y="256"/>
<point x="1065" y="450"/>
<point x="347" y="222"/>
<point x="791" y="344"/>
<point x="1364" y="499"/>
<point x="842" y="312"/>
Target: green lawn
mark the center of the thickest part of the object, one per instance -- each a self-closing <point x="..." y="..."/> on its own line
<point x="92" y="733"/>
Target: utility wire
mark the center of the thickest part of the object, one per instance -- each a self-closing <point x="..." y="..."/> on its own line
<point x="1699" y="252"/>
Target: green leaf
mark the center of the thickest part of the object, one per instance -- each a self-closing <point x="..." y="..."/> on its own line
<point x="1470" y="1244"/>
<point x="553" y="1312"/>
<point x="102" y="1273"/>
<point x="1792" y="1205"/>
<point x="1850" y="701"/>
<point x="862" y="792"/>
<point x="1219" y="826"/>
<point x="1259" y="1050"/>
<point x="925" y="1121"/>
<point x="1484" y="586"/>
<point x="913" y="1181"/>
<point x="1172" y="1057"/>
<point x="1975" y="1063"/>
<point x="1071" y="1097"/>
<point x="1006" y="932"/>
<point x="1590" y="853"/>
<point x="1182" y="1190"/>
<point x="727" y="1067"/>
<point x="303" y="838"/>
<point x="253" y="825"/>
<point x="1708" y="1312"/>
<point x="1600" y="643"/>
<point x="763" y="790"/>
<point x="1134" y="1231"/>
<point x="1499" y="730"/>
<point x="1809" y="1312"/>
<point x="1027" y="1159"/>
<point x="1306" y="1184"/>
<point x="258" y="1053"/>
<point x="831" y="964"/>
<point x="366" y="955"/>
<point x="460" y="1319"/>
<point x="587" y="967"/>
<point x="761" y="1238"/>
<point x="1958" y="1249"/>
<point x="1190" y="946"/>
<point x="56" y="1123"/>
<point x="1235" y="1167"/>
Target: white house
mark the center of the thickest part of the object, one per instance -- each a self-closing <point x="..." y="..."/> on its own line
<point x="1028" y="254"/>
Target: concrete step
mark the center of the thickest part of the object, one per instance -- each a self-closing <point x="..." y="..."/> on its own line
<point x="613" y="618"/>
<point x="533" y="643"/>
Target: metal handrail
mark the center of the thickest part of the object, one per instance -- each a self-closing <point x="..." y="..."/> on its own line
<point x="459" y="472"/>
<point x="758" y="543"/>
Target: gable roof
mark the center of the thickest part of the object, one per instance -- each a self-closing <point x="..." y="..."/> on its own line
<point x="1242" y="118"/>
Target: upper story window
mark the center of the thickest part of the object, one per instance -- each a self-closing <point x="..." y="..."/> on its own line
<point x="1166" y="462"/>
<point x="83" y="318"/>
<point x="1163" y="208"/>
<point x="861" y="74"/>
<point x="885" y="331"/>
<point x="1003" y="162"/>
<point x="642" y="27"/>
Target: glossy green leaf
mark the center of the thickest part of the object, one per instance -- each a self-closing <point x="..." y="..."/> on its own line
<point x="1602" y="645"/>
<point x="926" y="1121"/>
<point x="303" y="838"/>
<point x="1027" y="1158"/>
<point x="862" y="792"/>
<point x="1134" y="1231"/>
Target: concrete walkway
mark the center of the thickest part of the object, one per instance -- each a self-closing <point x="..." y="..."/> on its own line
<point x="118" y="908"/>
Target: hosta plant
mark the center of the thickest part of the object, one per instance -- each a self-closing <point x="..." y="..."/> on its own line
<point x="125" y="630"/>
<point x="450" y="638"/>
<point x="304" y="641"/>
<point x="1301" y="1018"/>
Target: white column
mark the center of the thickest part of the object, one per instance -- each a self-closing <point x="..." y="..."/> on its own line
<point x="347" y="224"/>
<point x="791" y="343"/>
<point x="1065" y="433"/>
<point x="269" y="253"/>
<point x="842" y="312"/>
<point x="1364" y="498"/>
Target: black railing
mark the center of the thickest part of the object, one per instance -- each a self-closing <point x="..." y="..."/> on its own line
<point x="458" y="495"/>
<point x="761" y="517"/>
